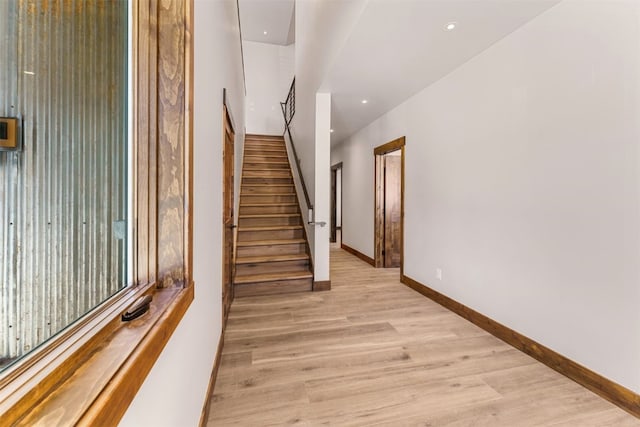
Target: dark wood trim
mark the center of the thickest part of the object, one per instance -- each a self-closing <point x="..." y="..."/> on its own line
<point x="357" y="253"/>
<point x="228" y="208"/>
<point x="114" y="399"/>
<point x="229" y="110"/>
<point x="212" y="383"/>
<point x="188" y="141"/>
<point x="378" y="212"/>
<point x="394" y="145"/>
<point x="109" y="369"/>
<point x="334" y="201"/>
<point x="402" y="179"/>
<point x="613" y="392"/>
<point x="323" y="285"/>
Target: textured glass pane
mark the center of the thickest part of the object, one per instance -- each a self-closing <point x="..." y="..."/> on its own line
<point x="63" y="196"/>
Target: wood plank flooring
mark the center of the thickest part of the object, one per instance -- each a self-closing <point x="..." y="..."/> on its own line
<point x="372" y="352"/>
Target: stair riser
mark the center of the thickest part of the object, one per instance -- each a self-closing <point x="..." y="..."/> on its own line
<point x="266" y="198"/>
<point x="278" y="173"/>
<point x="265" y="189"/>
<point x="260" y="222"/>
<point x="293" y="248"/>
<point x="264" y="146"/>
<point x="279" y="153"/>
<point x="275" y="209"/>
<point x="250" y="166"/>
<point x="272" y="288"/>
<point x="248" y="180"/>
<point x="272" y="267"/>
<point x="247" y="236"/>
<point x="265" y="157"/>
<point x="262" y="138"/>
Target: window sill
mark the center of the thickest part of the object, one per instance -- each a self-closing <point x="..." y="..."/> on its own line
<point x="98" y="381"/>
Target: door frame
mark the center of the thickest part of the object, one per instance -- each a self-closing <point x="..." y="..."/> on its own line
<point x="378" y="207"/>
<point x="334" y="202"/>
<point x="228" y="202"/>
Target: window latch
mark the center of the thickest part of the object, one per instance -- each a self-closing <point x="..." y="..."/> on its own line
<point x="140" y="307"/>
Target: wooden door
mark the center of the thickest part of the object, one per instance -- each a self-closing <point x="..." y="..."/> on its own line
<point x="389" y="204"/>
<point x="392" y="213"/>
<point x="228" y="217"/>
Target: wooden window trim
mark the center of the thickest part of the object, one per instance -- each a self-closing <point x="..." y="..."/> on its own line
<point x="91" y="372"/>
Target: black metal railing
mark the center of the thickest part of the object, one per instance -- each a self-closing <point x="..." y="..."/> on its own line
<point x="289" y="106"/>
<point x="288" y="111"/>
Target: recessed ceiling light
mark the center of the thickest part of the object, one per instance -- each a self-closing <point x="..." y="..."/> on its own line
<point x="451" y="26"/>
<point x="30" y="73"/>
<point x="331" y="131"/>
<point x="364" y="101"/>
<point x="265" y="33"/>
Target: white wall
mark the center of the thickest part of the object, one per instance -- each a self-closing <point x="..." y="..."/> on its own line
<point x="174" y="392"/>
<point x="269" y="71"/>
<point x="522" y="183"/>
<point x="322" y="191"/>
<point x="315" y="49"/>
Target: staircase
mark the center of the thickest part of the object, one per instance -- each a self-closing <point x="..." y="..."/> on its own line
<point x="272" y="255"/>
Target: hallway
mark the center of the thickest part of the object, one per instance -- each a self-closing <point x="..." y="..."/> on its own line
<point x="373" y="352"/>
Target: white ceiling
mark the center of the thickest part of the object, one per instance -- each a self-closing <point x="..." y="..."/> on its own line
<point x="276" y="17"/>
<point x="399" y="47"/>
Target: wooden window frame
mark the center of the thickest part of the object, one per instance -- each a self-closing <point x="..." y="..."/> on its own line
<point x="90" y="373"/>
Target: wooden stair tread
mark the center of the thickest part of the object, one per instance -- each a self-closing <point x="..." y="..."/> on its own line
<point x="261" y="160"/>
<point x="265" y="170"/>
<point x="267" y="194"/>
<point x="270" y="144"/>
<point x="269" y="215"/>
<point x="268" y="185"/>
<point x="271" y="258"/>
<point x="270" y="228"/>
<point x="273" y="277"/>
<point x="266" y="205"/>
<point x="266" y="152"/>
<point x="252" y="173"/>
<point x="253" y="169"/>
<point x="271" y="242"/>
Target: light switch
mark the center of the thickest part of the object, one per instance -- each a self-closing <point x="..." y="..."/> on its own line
<point x="9" y="140"/>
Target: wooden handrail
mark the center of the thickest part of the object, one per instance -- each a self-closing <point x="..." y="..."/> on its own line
<point x="288" y="111"/>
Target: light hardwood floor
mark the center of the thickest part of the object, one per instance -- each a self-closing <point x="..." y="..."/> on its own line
<point x="373" y="352"/>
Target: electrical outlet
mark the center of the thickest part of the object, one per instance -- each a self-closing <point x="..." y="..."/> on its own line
<point x="439" y="273"/>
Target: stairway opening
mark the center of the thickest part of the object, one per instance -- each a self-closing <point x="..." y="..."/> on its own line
<point x="272" y="249"/>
